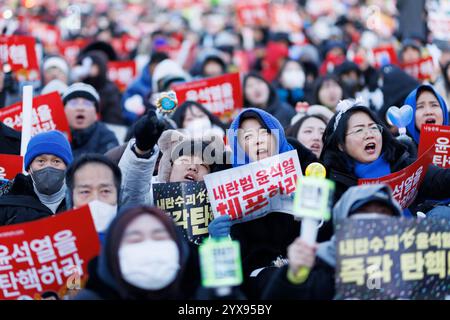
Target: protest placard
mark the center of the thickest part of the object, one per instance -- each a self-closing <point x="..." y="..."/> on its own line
<point x="187" y="203"/>
<point x="406" y="182"/>
<point x="122" y="73"/>
<point x="421" y="69"/>
<point x="49" y="254"/>
<point x="392" y="258"/>
<point x="48" y="114"/>
<point x="437" y="138"/>
<point x="253" y="13"/>
<point x="251" y="191"/>
<point x="220" y="95"/>
<point x="20" y="54"/>
<point x="10" y="166"/>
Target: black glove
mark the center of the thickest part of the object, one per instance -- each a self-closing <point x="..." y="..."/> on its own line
<point x="147" y="131"/>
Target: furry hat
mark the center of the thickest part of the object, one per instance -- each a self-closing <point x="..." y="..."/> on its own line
<point x="174" y="144"/>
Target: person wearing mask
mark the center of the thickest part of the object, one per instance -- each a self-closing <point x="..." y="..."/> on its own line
<point x="144" y="258"/>
<point x="255" y="135"/>
<point x="309" y="131"/>
<point x="291" y="82"/>
<point x="81" y="105"/>
<point x="258" y="93"/>
<point x="357" y="146"/>
<point x="94" y="180"/>
<point x="358" y="202"/>
<point x="41" y="193"/>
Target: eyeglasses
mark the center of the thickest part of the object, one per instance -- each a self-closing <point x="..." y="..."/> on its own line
<point x="74" y="103"/>
<point x="374" y="129"/>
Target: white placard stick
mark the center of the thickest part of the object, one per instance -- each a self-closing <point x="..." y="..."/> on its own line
<point x="27" y="105"/>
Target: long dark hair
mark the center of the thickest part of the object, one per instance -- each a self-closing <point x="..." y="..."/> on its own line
<point x="319" y="83"/>
<point x="180" y="114"/>
<point x="334" y="158"/>
<point x="293" y="130"/>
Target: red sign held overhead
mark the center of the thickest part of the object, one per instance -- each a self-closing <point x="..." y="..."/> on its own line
<point x="70" y="49"/>
<point x="405" y="183"/>
<point x="421" y="69"/>
<point x="221" y="95"/>
<point x="10" y="166"/>
<point x="49" y="254"/>
<point x="384" y="55"/>
<point x="253" y="12"/>
<point x="437" y="138"/>
<point x="48" y="114"/>
<point x="20" y="53"/>
<point x="122" y="73"/>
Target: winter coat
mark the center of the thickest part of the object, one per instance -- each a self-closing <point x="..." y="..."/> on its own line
<point x="21" y="204"/>
<point x="97" y="138"/>
<point x="9" y="140"/>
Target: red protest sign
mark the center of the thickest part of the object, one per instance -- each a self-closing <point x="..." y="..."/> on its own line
<point x="70" y="49"/>
<point x="384" y="55"/>
<point x="49" y="254"/>
<point x="421" y="69"/>
<point x="48" y="114"/>
<point x="180" y="4"/>
<point x="122" y="73"/>
<point x="50" y="35"/>
<point x="285" y="17"/>
<point x="125" y="44"/>
<point x="10" y="166"/>
<point x="221" y="95"/>
<point x="437" y="138"/>
<point x="405" y="183"/>
<point x="253" y="12"/>
<point x="20" y="53"/>
<point x="251" y="191"/>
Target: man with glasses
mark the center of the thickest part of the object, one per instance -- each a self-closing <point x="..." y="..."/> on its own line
<point x="81" y="104"/>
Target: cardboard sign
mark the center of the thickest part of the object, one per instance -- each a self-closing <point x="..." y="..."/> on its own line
<point x="49" y="254"/>
<point x="405" y="183"/>
<point x="421" y="69"/>
<point x="383" y="55"/>
<point x="251" y="191"/>
<point x="122" y="73"/>
<point x="220" y="95"/>
<point x="187" y="203"/>
<point x="20" y="53"/>
<point x="253" y="13"/>
<point x="10" y="166"/>
<point x="48" y="114"/>
<point x="220" y="263"/>
<point x="392" y="258"/>
<point x="437" y="138"/>
<point x="313" y="198"/>
<point x="70" y="49"/>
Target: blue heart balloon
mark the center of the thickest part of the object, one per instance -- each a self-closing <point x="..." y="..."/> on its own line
<point x="400" y="117"/>
<point x="167" y="104"/>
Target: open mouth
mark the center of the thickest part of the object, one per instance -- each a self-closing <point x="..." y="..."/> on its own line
<point x="80" y="117"/>
<point x="315" y="147"/>
<point x="430" y="121"/>
<point x="370" y="147"/>
<point x="189" y="177"/>
<point x="261" y="152"/>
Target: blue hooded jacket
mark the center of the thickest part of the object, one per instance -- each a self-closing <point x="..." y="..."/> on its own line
<point x="411" y="100"/>
<point x="239" y="157"/>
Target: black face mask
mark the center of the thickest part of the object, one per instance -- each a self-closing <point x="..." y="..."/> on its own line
<point x="49" y="180"/>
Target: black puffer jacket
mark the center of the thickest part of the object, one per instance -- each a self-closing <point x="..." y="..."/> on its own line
<point x="21" y="204"/>
<point x="9" y="140"/>
<point x="97" y="138"/>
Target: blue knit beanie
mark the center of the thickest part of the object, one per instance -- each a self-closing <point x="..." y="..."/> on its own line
<point x="52" y="142"/>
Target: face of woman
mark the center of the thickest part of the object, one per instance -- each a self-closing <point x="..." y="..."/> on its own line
<point x="363" y="140"/>
<point x="257" y="143"/>
<point x="144" y="227"/>
<point x="329" y="94"/>
<point x="310" y="135"/>
<point x="428" y="110"/>
<point x="257" y="92"/>
<point x="193" y="113"/>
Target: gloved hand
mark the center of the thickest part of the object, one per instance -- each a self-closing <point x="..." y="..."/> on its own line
<point x="220" y="227"/>
<point x="147" y="131"/>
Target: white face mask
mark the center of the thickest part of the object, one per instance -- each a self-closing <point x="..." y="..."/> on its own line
<point x="150" y="265"/>
<point x="102" y="213"/>
<point x="198" y="126"/>
<point x="371" y="215"/>
<point x="293" y="79"/>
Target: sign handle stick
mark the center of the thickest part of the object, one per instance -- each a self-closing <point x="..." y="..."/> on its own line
<point x="27" y="105"/>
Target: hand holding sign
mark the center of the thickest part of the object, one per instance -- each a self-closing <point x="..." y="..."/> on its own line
<point x="400" y="117"/>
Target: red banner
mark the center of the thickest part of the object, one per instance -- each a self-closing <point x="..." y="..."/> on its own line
<point x="421" y="69"/>
<point x="405" y="183"/>
<point x="10" y="166"/>
<point x="220" y="95"/>
<point x="71" y="49"/>
<point x="50" y="35"/>
<point x="253" y="13"/>
<point x="384" y="55"/>
<point x="48" y="114"/>
<point x="20" y="53"/>
<point x="49" y="254"/>
<point x="122" y="73"/>
<point x="437" y="138"/>
<point x="285" y="17"/>
<point x="125" y="44"/>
